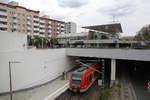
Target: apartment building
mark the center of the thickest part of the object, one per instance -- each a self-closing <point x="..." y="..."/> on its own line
<point x="51" y="27"/>
<point x="20" y="19"/>
<point x="71" y="27"/>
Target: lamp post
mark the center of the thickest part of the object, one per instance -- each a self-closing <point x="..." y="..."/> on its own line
<point x="10" y="78"/>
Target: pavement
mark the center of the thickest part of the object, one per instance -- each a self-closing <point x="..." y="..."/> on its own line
<point x="45" y="92"/>
<point x="93" y="93"/>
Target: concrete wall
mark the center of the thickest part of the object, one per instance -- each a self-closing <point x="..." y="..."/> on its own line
<point x="10" y="41"/>
<point x="128" y="54"/>
<point x="36" y="67"/>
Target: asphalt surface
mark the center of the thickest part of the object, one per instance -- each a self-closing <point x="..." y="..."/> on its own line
<point x="138" y="78"/>
<point x="139" y="83"/>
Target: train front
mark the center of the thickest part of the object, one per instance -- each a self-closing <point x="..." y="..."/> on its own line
<point x="75" y="83"/>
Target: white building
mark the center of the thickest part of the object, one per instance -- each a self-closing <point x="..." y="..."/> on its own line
<point x="71" y="27"/>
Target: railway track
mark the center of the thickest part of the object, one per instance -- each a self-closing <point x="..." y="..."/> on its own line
<point x="92" y="94"/>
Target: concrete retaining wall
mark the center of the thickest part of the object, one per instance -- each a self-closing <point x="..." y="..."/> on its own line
<point x="36" y="67"/>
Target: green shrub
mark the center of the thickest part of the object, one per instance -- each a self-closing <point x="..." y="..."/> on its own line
<point x="105" y="93"/>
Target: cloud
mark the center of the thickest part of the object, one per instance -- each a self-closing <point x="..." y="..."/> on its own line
<point x="72" y="3"/>
<point x="52" y="15"/>
<point x="4" y="1"/>
<point x="118" y="9"/>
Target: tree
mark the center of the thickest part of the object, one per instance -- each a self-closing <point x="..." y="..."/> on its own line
<point x="37" y="41"/>
<point x="29" y="40"/>
<point x="53" y="42"/>
<point x="143" y="34"/>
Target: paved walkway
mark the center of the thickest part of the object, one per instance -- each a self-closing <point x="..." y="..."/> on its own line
<point x="45" y="92"/>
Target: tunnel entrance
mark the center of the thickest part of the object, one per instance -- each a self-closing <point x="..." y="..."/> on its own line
<point x="137" y="73"/>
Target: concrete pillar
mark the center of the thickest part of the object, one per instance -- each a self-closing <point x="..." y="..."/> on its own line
<point x="113" y="71"/>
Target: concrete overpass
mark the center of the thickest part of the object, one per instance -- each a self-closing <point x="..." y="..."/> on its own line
<point x="113" y="54"/>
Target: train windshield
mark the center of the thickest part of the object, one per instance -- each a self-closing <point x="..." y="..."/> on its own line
<point x="76" y="76"/>
<point x="76" y="82"/>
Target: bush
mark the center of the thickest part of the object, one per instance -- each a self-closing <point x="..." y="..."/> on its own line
<point x="105" y="93"/>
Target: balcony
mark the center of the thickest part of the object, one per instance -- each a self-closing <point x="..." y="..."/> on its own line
<point x="36" y="19"/>
<point x="3" y="25"/>
<point x="29" y="33"/>
<point x="36" y="24"/>
<point x="36" y="29"/>
<point x="42" y="30"/>
<point x="49" y="22"/>
<point x="36" y="34"/>
<point x="49" y="31"/>
<point x="42" y="21"/>
<point x="28" y="17"/>
<point x="42" y="26"/>
<point x="63" y="25"/>
<point x="3" y="19"/>
<point x="42" y="35"/>
<point x="28" y="28"/>
<point x="15" y="21"/>
<point x="29" y="23"/>
<point x="49" y="26"/>
<point x="3" y="13"/>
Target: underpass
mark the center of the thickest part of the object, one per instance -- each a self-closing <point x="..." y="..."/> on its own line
<point x="129" y="66"/>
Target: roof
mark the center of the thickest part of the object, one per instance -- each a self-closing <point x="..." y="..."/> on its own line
<point x="52" y="20"/>
<point x="73" y="35"/>
<point x="110" y="28"/>
<point x="4" y="4"/>
<point x="83" y="69"/>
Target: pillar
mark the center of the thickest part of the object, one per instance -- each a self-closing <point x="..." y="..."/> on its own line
<point x="113" y="72"/>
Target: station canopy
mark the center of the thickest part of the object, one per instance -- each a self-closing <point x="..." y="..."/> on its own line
<point x="109" y="28"/>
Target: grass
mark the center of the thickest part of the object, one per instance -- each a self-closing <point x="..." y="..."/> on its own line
<point x="105" y="94"/>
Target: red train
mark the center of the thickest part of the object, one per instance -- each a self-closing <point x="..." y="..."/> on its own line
<point x="82" y="78"/>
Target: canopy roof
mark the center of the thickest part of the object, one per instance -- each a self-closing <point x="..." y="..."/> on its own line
<point x="110" y="28"/>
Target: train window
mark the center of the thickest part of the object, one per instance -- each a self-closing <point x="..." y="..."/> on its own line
<point x="79" y="76"/>
<point x="76" y="82"/>
<point x="90" y="77"/>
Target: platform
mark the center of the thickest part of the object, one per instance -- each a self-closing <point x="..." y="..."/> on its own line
<point x="45" y="92"/>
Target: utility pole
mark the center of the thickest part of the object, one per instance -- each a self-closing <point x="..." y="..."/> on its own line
<point x="10" y="78"/>
<point x="103" y="73"/>
<point x="10" y="81"/>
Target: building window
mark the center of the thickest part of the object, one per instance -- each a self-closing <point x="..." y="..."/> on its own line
<point x="18" y="14"/>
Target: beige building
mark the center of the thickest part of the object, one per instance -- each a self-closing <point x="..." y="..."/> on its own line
<point x="50" y="27"/>
<point x="16" y="18"/>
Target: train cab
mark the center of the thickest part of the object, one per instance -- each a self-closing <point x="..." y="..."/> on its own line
<point x="82" y="78"/>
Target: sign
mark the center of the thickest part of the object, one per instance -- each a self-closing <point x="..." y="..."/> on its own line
<point x="99" y="82"/>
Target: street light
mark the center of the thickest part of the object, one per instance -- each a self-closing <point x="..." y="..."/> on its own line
<point x="10" y="79"/>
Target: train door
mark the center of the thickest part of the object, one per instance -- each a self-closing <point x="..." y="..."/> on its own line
<point x="93" y="77"/>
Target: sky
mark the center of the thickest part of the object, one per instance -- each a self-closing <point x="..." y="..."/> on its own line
<point x="132" y="14"/>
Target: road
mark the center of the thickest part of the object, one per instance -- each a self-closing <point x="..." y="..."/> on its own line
<point x="140" y="86"/>
<point x="137" y="78"/>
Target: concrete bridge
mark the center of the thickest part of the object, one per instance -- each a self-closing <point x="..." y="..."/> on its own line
<point x="113" y="54"/>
